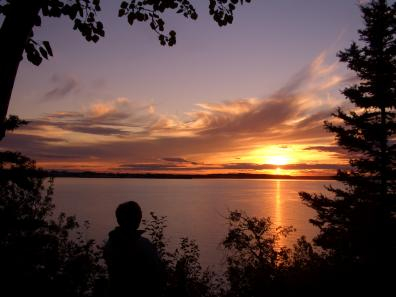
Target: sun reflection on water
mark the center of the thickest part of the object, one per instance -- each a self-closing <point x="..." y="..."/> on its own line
<point x="278" y="219"/>
<point x="278" y="206"/>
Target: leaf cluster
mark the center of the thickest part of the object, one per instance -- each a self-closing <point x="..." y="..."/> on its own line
<point x="83" y="14"/>
<point x="151" y="11"/>
<point x="223" y="10"/>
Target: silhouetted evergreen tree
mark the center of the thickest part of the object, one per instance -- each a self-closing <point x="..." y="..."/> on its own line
<point x="357" y="223"/>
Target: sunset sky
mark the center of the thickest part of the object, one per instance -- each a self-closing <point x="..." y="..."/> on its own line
<point x="250" y="97"/>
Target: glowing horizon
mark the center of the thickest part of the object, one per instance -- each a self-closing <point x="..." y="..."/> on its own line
<point x="280" y="134"/>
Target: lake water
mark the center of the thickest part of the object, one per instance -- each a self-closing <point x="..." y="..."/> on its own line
<point x="194" y="207"/>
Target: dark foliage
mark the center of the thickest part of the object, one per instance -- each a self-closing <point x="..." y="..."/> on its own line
<point x="184" y="274"/>
<point x="84" y="15"/>
<point x="259" y="265"/>
<point x="12" y="122"/>
<point x="357" y="222"/>
<point x="40" y="255"/>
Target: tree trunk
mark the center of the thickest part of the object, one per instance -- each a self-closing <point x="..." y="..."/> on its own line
<point x="384" y="159"/>
<point x="14" y="33"/>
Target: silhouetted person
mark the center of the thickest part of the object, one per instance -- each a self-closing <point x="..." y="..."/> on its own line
<point x="133" y="263"/>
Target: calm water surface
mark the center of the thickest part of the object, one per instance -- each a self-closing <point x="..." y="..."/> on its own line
<point x="194" y="207"/>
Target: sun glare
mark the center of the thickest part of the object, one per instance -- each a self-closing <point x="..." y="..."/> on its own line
<point x="277" y="160"/>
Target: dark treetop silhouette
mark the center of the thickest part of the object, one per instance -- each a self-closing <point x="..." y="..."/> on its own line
<point x="358" y="225"/>
<point x="134" y="265"/>
<point x="21" y="16"/>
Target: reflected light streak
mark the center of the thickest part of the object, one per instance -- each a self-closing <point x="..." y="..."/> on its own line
<point x="278" y="206"/>
<point x="278" y="221"/>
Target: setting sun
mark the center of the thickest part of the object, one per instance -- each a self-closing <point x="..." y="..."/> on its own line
<point x="277" y="160"/>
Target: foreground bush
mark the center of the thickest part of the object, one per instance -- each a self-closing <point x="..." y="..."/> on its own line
<point x="259" y="265"/>
<point x="184" y="275"/>
<point x="40" y="255"/>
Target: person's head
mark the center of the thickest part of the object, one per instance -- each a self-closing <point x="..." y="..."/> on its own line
<point x="129" y="215"/>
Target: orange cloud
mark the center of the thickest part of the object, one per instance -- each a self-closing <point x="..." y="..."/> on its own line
<point x="122" y="131"/>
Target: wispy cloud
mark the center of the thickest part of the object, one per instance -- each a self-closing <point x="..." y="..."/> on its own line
<point x="327" y="148"/>
<point x="124" y="131"/>
<point x="118" y="117"/>
<point x="178" y="160"/>
<point x="63" y="86"/>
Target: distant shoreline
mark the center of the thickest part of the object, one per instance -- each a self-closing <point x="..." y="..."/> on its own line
<point x="90" y="174"/>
